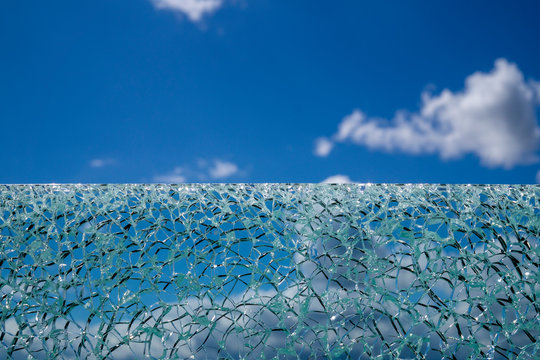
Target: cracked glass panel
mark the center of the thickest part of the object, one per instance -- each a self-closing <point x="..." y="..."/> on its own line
<point x="269" y="271"/>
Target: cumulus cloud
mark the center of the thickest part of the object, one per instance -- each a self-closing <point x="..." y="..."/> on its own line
<point x="536" y="86"/>
<point x="174" y="177"/>
<point x="337" y="179"/>
<point x="193" y="9"/>
<point x="493" y="117"/>
<point x="223" y="169"/>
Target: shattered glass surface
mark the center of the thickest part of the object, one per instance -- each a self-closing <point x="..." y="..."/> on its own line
<point x="269" y="271"/>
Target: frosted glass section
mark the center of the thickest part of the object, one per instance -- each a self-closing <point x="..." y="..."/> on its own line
<point x="269" y="271"/>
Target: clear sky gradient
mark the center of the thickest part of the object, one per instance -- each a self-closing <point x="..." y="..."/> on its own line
<point x="269" y="91"/>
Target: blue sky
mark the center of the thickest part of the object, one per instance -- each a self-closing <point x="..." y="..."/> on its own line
<point x="269" y="91"/>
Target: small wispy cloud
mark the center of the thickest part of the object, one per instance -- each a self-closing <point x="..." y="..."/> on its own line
<point x="323" y="146"/>
<point x="222" y="169"/>
<point x="337" y="179"/>
<point x="99" y="163"/>
<point x="193" y="9"/>
<point x="538" y="177"/>
<point x="216" y="169"/>
<point x="494" y="118"/>
<point x="176" y="176"/>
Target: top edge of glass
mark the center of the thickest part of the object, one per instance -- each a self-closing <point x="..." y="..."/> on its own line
<point x="261" y="184"/>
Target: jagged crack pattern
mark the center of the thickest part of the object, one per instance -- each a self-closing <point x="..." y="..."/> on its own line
<point x="269" y="271"/>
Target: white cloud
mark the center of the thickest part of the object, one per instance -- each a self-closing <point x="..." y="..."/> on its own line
<point x="193" y="9"/>
<point x="538" y="177"/>
<point x="174" y="177"/>
<point x="222" y="169"/>
<point x="323" y="146"/>
<point x="98" y="163"/>
<point x="216" y="169"/>
<point x="536" y="86"/>
<point x="337" y="179"/>
<point x="494" y="118"/>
